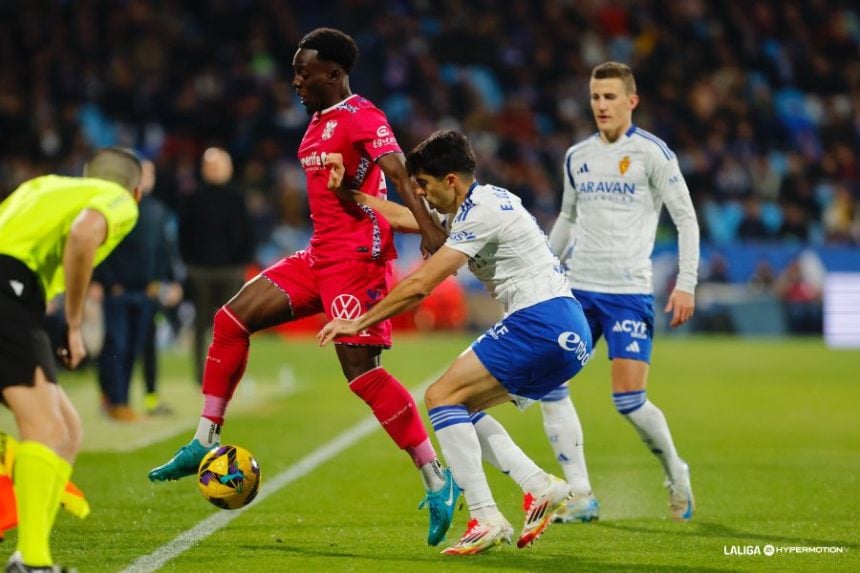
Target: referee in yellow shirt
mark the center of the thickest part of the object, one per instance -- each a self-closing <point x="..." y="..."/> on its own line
<point x="53" y="231"/>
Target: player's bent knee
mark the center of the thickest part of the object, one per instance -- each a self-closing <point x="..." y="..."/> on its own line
<point x="227" y="326"/>
<point x="74" y="442"/>
<point x="438" y="395"/>
<point x="51" y="431"/>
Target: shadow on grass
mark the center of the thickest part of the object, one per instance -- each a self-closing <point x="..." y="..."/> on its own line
<point x="503" y="558"/>
<point x="710" y="529"/>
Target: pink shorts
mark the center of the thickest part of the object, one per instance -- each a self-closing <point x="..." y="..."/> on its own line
<point x="340" y="289"/>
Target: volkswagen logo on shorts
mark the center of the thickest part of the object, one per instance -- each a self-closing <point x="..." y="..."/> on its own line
<point x="345" y="306"/>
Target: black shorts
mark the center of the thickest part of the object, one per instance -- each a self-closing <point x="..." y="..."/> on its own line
<point x="24" y="343"/>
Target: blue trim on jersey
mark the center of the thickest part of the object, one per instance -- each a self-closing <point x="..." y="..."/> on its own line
<point x="655" y="140"/>
<point x="557" y="395"/>
<point x="471" y="188"/>
<point x="569" y="170"/>
<point x="445" y="416"/>
<point x="630" y="130"/>
<point x="571" y="152"/>
<point x="467" y="204"/>
<point x="476" y="417"/>
<point x="627" y="402"/>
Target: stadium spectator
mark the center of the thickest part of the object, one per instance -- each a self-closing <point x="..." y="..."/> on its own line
<point x="752" y="226"/>
<point x="216" y="244"/>
<point x="54" y="229"/>
<point x="799" y="287"/>
<point x="615" y="185"/>
<point x="765" y="85"/>
<point x="129" y="282"/>
<point x="346" y="269"/>
<point x="542" y="341"/>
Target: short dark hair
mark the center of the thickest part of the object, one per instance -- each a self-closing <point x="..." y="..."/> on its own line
<point x="616" y="70"/>
<point x="332" y="46"/>
<point x="118" y="164"/>
<point x="444" y="152"/>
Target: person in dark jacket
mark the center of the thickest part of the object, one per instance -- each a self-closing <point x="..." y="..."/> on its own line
<point x="216" y="243"/>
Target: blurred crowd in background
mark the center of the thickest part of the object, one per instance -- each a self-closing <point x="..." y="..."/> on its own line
<point x="760" y="99"/>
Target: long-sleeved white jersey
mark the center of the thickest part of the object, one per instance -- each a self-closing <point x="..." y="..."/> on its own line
<point x="613" y="194"/>
<point x="507" y="250"/>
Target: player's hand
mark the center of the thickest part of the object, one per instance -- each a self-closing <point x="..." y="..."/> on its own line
<point x="335" y="328"/>
<point x="681" y="304"/>
<point x="334" y="161"/>
<point x="73" y="352"/>
<point x="432" y="240"/>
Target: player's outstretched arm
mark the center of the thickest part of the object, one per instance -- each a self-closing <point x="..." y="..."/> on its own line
<point x="400" y="218"/>
<point x="407" y="293"/>
<point x="88" y="231"/>
<point x="433" y="236"/>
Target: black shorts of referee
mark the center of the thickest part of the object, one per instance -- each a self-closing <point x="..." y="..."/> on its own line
<point x="24" y="343"/>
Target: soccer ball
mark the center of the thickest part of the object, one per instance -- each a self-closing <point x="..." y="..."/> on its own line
<point x="229" y="477"/>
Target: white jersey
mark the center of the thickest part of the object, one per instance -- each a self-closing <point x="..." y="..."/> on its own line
<point x="507" y="250"/>
<point x="613" y="194"/>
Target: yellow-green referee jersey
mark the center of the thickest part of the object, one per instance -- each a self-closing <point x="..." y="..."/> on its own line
<point x="36" y="218"/>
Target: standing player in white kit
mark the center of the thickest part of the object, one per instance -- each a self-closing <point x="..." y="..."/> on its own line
<point x="615" y="185"/>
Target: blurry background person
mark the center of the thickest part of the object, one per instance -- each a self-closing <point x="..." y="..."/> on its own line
<point x="216" y="243"/>
<point x="129" y="282"/>
<point x="799" y="288"/>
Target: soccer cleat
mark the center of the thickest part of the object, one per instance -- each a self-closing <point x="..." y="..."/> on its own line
<point x="582" y="508"/>
<point x="441" y="505"/>
<point x="184" y="463"/>
<point x="541" y="509"/>
<point x="481" y="536"/>
<point x="681" y="501"/>
<point x="16" y="565"/>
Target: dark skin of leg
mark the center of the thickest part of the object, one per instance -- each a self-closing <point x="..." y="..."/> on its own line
<point x="260" y="304"/>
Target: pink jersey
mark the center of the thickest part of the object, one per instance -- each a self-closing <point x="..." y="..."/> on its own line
<point x="360" y="132"/>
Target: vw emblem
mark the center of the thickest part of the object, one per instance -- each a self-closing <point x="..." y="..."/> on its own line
<point x="345" y="306"/>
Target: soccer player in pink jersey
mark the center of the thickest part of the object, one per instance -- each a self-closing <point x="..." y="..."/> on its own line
<point x="345" y="270"/>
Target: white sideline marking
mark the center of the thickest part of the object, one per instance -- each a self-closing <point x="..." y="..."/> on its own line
<point x="205" y="528"/>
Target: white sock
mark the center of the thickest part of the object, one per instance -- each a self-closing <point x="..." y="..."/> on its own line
<point x="208" y="432"/>
<point x="488" y="513"/>
<point x="462" y="451"/>
<point x="500" y="451"/>
<point x="562" y="427"/>
<point x="650" y="424"/>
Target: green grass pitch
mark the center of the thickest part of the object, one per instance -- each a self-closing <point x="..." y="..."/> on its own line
<point x="770" y="429"/>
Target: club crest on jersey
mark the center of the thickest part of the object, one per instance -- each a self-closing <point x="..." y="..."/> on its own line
<point x="624" y="165"/>
<point x="329" y="129"/>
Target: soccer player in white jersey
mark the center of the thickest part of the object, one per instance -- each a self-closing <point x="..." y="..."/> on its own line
<point x="542" y="341"/>
<point x="615" y="184"/>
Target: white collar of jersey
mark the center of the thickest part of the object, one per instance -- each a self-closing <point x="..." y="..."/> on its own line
<point x="627" y="135"/>
<point x="328" y="109"/>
